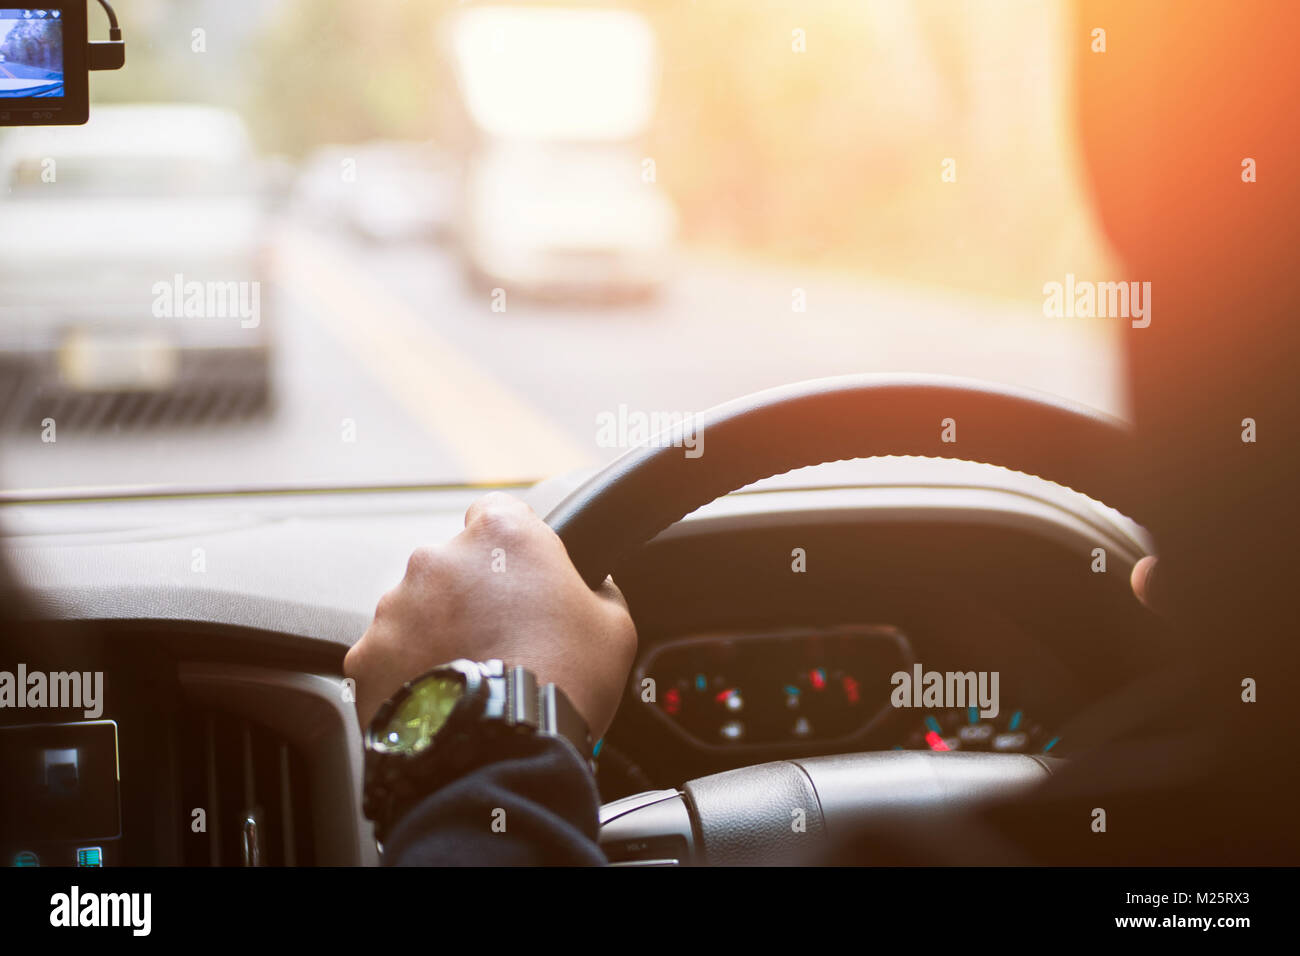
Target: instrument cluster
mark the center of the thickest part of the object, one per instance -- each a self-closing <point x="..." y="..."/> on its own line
<point x="825" y="688"/>
<point x="767" y="690"/>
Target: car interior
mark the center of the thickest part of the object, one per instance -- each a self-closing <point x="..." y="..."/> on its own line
<point x="959" y="564"/>
<point x="841" y="537"/>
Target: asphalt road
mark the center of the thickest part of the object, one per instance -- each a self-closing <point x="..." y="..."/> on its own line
<point x="19" y="71"/>
<point x="391" y="369"/>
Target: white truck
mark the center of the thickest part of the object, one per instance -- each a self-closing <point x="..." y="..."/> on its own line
<point x="558" y="197"/>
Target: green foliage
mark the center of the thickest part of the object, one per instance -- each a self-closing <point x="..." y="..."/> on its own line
<point x="338" y="71"/>
<point x="35" y="43"/>
<point x="829" y="156"/>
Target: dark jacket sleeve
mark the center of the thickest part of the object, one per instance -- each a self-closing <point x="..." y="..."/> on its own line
<point x="528" y="801"/>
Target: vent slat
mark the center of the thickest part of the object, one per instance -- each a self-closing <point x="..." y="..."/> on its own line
<point x="214" y="792"/>
<point x="252" y="784"/>
<point x="286" y="808"/>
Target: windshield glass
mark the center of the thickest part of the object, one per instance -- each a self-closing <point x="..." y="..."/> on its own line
<point x="318" y="243"/>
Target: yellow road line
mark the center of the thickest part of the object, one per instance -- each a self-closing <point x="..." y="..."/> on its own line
<point x="494" y="434"/>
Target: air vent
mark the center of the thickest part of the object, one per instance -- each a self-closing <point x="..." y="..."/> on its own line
<point x="253" y="787"/>
<point x="247" y="725"/>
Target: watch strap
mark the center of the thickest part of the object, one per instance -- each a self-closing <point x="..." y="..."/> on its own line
<point x="516" y="699"/>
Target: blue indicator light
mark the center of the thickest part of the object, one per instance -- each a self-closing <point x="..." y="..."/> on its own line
<point x="1050" y="744"/>
<point x="933" y="724"/>
<point x="1015" y="720"/>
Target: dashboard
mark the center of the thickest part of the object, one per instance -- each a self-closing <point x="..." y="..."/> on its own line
<point x="223" y="689"/>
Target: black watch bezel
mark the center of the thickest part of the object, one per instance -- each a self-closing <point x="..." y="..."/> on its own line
<point x="474" y="698"/>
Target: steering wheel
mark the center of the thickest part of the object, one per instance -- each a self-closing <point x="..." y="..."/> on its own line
<point x="744" y="815"/>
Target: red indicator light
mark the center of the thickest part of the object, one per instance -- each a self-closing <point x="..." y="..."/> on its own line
<point x="818" y="678"/>
<point x="850" y="690"/>
<point x="725" y="694"/>
<point x="935" y="741"/>
<point x="672" y="701"/>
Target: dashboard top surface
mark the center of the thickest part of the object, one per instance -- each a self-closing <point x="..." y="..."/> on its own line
<point x="313" y="564"/>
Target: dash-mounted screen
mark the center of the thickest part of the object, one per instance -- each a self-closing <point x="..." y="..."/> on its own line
<point x="44" y="64"/>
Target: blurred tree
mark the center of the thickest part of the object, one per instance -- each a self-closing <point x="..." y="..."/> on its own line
<point x="826" y="152"/>
<point x="337" y="71"/>
<point x="37" y="43"/>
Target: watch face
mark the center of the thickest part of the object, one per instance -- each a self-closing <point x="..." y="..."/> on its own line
<point x="421" y="714"/>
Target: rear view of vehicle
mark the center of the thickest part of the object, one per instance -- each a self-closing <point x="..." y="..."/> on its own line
<point x="558" y="199"/>
<point x="159" y="212"/>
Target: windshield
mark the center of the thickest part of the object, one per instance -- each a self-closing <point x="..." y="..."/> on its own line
<point x="321" y="243"/>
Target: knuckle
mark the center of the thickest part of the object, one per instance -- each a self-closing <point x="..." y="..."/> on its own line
<point x="422" y="563"/>
<point x="502" y="524"/>
<point x="386" y="604"/>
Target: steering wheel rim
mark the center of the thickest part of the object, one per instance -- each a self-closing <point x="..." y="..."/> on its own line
<point x="767" y="433"/>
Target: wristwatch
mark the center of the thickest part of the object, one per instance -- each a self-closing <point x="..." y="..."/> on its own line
<point x="436" y="724"/>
